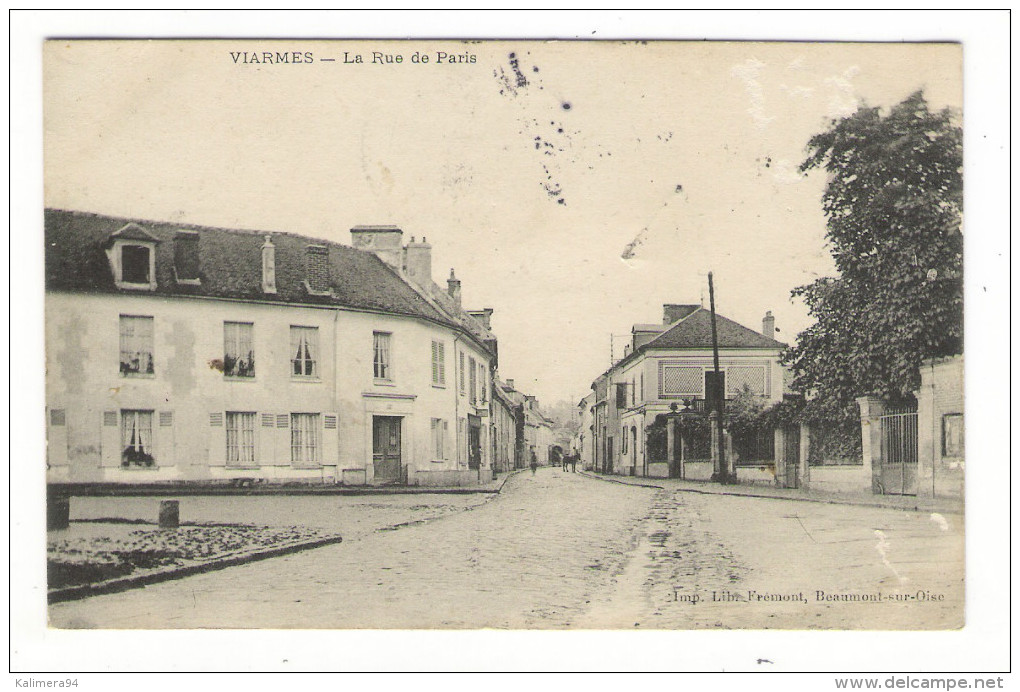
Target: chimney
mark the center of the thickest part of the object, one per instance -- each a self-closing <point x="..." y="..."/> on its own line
<point x="484" y="316"/>
<point x="317" y="268"/>
<point x="383" y="241"/>
<point x="418" y="261"/>
<point x="453" y="288"/>
<point x="672" y="312"/>
<point x="510" y="383"/>
<point x="768" y="325"/>
<point x="268" y="266"/>
<point x="186" y="259"/>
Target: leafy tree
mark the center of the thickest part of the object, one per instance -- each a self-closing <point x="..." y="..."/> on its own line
<point x="894" y="203"/>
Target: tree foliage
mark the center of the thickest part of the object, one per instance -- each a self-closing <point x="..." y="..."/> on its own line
<point x="893" y="203"/>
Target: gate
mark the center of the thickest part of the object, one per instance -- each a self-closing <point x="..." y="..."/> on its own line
<point x="898" y="468"/>
<point x="791" y="456"/>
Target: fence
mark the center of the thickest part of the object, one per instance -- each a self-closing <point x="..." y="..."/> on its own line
<point x="755" y="447"/>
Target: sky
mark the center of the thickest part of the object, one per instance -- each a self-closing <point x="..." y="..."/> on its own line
<point x="575" y="187"/>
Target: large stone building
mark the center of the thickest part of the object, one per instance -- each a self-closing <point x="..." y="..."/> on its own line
<point x="185" y="353"/>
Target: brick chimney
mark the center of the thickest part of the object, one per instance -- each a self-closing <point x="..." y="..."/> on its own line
<point x="484" y="316"/>
<point x="453" y="288"/>
<point x="186" y="257"/>
<point x="383" y="241"/>
<point x="317" y="268"/>
<point x="418" y="261"/>
<point x="671" y="312"/>
<point x="268" y="266"/>
<point x="510" y="382"/>
<point x="768" y="325"/>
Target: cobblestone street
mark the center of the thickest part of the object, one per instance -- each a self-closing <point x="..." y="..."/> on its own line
<point x="559" y="550"/>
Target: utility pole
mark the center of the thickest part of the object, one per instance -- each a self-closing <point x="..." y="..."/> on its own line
<point x="720" y="391"/>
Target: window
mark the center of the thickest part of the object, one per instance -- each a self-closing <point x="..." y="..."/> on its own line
<point x="381" y="356"/>
<point x="304" y="350"/>
<point x="440" y="430"/>
<point x="134" y="262"/>
<point x="240" y="438"/>
<point x="461" y="372"/>
<point x="473" y="374"/>
<point x="304" y="439"/>
<point x="136" y="345"/>
<point x="952" y="435"/>
<point x="238" y="349"/>
<point x="438" y="363"/>
<point x="482" y="380"/>
<point x="136" y="439"/>
<point x="621" y="395"/>
<point x="633" y="391"/>
<point x="752" y="377"/>
<point x="623" y="442"/>
<point x="677" y="381"/>
<point x="715" y="388"/>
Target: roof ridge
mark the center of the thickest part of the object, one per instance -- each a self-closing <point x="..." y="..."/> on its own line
<point x="188" y="225"/>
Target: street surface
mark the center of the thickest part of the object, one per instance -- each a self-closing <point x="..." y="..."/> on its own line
<point x="559" y="550"/>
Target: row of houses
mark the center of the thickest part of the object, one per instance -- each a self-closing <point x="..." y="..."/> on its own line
<point x="181" y="353"/>
<point x="650" y="414"/>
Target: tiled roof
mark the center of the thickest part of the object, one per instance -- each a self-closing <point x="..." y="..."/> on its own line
<point x="695" y="332"/>
<point x="231" y="266"/>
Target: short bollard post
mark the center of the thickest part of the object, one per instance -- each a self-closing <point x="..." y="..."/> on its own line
<point x="58" y="512"/>
<point x="169" y="514"/>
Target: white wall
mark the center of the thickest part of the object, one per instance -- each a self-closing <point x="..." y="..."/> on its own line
<point x="83" y="381"/>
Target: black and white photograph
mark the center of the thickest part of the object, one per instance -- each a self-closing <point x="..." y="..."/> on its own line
<point x="601" y="335"/>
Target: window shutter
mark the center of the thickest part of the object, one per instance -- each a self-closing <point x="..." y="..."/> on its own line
<point x="217" y="440"/>
<point x="164" y="433"/>
<point x="330" y="439"/>
<point x="109" y="440"/>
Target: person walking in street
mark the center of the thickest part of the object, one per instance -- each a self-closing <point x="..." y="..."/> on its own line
<point x="534" y="463"/>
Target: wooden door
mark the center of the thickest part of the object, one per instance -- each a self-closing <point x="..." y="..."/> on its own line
<point x="386" y="447"/>
<point x="474" y="442"/>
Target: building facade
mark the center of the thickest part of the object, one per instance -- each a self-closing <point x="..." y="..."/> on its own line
<point x="185" y="353"/>
<point x="669" y="367"/>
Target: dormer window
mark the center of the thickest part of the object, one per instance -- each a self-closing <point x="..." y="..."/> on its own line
<point x="134" y="262"/>
<point x="132" y="255"/>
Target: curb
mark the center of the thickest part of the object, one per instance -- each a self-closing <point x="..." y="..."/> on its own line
<point x="832" y="500"/>
<point x="187" y="491"/>
<point x="80" y="591"/>
<point x="619" y="482"/>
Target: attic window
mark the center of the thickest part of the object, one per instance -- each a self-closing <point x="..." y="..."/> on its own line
<point x="134" y="261"/>
<point x="132" y="256"/>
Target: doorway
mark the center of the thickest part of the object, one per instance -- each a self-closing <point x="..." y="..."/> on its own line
<point x="474" y="442"/>
<point x="386" y="448"/>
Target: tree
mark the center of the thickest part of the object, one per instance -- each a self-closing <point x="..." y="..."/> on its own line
<point x="893" y="204"/>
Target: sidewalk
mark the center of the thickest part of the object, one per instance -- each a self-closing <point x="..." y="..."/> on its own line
<point x="919" y="504"/>
<point x="199" y="488"/>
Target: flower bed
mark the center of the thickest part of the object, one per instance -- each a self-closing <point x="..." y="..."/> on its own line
<point x="93" y="552"/>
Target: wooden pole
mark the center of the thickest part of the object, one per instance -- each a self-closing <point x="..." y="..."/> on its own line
<point x="720" y="392"/>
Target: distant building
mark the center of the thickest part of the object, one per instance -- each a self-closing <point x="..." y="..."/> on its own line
<point x="535" y="432"/>
<point x="672" y="363"/>
<point x="187" y="353"/>
<point x="507" y="423"/>
<point x="584" y="445"/>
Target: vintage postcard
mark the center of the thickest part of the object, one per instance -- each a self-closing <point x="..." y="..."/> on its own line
<point x="504" y="334"/>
